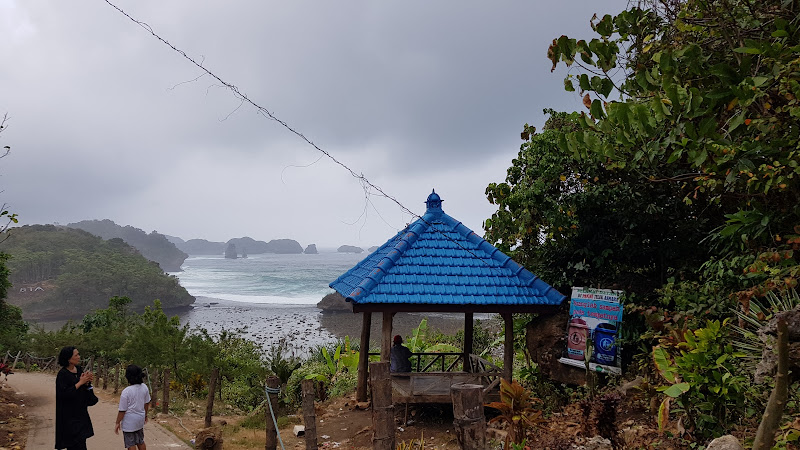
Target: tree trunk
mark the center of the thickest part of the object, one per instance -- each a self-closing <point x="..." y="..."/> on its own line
<point x="212" y="385"/>
<point x="765" y="436"/>
<point x="468" y="418"/>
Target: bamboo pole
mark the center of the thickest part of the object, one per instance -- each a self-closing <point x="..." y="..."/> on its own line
<point x="116" y="378"/>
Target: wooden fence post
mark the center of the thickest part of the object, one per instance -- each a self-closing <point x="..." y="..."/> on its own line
<point x="468" y="418"/>
<point x="383" y="429"/>
<point x="273" y="382"/>
<point x="154" y="394"/>
<point x="212" y="384"/>
<point x="105" y="373"/>
<point x="309" y="415"/>
<point x="165" y="394"/>
<point x="116" y="378"/>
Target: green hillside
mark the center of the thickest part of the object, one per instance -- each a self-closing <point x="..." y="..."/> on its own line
<point x="154" y="246"/>
<point x="59" y="272"/>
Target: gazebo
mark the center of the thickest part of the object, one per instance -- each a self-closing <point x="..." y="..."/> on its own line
<point x="436" y="264"/>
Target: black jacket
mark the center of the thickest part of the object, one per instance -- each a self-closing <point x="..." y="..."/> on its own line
<point x="73" y="424"/>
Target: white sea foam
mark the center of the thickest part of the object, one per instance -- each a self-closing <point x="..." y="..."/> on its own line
<point x="262" y="299"/>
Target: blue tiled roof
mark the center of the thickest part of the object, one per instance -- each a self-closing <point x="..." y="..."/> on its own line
<point x="438" y="261"/>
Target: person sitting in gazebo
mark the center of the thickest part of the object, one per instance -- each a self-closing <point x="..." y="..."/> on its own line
<point x="400" y="356"/>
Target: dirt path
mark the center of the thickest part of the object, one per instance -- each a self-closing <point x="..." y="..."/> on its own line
<point x="38" y="391"/>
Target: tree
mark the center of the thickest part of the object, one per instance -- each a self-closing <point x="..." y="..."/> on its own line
<point x="709" y="107"/>
<point x="12" y="328"/>
<point x="573" y="222"/>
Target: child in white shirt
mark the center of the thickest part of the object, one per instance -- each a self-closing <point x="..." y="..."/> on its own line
<point x="133" y="405"/>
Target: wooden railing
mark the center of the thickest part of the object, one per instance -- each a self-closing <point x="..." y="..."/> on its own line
<point x="434" y="361"/>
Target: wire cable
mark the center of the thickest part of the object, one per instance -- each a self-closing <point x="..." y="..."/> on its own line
<point x="270" y="115"/>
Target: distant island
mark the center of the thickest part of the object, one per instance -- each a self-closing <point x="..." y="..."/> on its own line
<point x="154" y="246"/>
<point x="199" y="246"/>
<point x="311" y="249"/>
<point x="63" y="272"/>
<point x="350" y="249"/>
<point x="373" y="248"/>
<point x="245" y="245"/>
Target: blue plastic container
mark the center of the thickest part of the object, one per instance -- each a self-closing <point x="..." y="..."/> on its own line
<point x="605" y="346"/>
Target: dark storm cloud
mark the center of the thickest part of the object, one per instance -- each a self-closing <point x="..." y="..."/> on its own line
<point x="108" y="122"/>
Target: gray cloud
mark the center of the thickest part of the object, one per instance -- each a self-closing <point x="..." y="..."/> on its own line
<point x="106" y="122"/>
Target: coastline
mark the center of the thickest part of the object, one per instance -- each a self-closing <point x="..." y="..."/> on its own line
<point x="300" y="327"/>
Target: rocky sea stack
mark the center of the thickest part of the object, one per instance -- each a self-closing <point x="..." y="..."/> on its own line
<point x="350" y="249"/>
<point x="311" y="249"/>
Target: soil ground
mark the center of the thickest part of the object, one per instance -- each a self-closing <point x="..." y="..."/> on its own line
<point x="26" y="414"/>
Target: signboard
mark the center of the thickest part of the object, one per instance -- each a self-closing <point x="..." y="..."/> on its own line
<point x="594" y="316"/>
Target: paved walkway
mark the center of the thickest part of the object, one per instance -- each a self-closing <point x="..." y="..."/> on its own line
<point x="38" y="391"/>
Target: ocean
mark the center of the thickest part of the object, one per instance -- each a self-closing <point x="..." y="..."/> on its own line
<point x="271" y="298"/>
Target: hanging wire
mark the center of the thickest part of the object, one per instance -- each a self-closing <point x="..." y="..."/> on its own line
<point x="270" y="115"/>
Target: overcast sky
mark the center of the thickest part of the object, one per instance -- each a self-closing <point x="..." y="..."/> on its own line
<point x="108" y="122"/>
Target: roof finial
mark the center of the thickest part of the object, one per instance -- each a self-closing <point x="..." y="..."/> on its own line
<point x="434" y="202"/>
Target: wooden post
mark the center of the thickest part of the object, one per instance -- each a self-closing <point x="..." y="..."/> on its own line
<point x="116" y="378"/>
<point x="382" y="408"/>
<point x="165" y="394"/>
<point x="468" y="340"/>
<point x="386" y="339"/>
<point x="508" y="347"/>
<point x="212" y="384"/>
<point x="272" y="434"/>
<point x="105" y="373"/>
<point x="154" y="394"/>
<point x="309" y="415"/>
<point x="14" y="366"/>
<point x="470" y="424"/>
<point x="363" y="357"/>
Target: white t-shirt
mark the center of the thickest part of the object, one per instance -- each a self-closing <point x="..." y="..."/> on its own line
<point x="132" y="401"/>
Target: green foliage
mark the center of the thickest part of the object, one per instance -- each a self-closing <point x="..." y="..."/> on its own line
<point x="421" y="341"/>
<point x="294" y="392"/>
<point x="574" y="222"/>
<point x="281" y="361"/>
<point x="157" y="340"/>
<point x="153" y="246"/>
<point x="705" y="379"/>
<point x="13" y="329"/>
<point x="81" y="272"/>
<point x="713" y="116"/>
<point x="516" y="407"/>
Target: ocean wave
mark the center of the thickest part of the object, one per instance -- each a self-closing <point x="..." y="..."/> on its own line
<point x="263" y="299"/>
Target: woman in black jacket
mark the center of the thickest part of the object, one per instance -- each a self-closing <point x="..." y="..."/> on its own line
<point x="73" y="425"/>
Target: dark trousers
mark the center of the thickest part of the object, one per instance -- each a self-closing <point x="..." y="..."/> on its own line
<point x="78" y="446"/>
